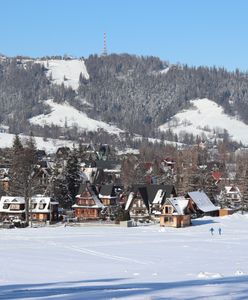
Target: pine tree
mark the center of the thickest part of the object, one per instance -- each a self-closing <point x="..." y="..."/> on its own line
<point x="23" y="181"/>
<point x="72" y="175"/>
<point x="244" y="203"/>
<point x="58" y="186"/>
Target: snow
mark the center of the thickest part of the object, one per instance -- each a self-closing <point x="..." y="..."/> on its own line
<point x="110" y="262"/>
<point x="165" y="70"/>
<point x="208" y="114"/>
<point x="202" y="201"/>
<point x="49" y="145"/>
<point x="159" y="197"/>
<point x="66" y="115"/>
<point x="129" y="200"/>
<point x="179" y="203"/>
<point x="65" y="71"/>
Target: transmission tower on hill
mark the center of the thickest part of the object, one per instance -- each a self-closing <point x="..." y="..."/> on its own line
<point x="104" y="52"/>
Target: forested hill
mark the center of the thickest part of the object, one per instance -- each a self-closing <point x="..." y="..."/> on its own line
<point x="135" y="93"/>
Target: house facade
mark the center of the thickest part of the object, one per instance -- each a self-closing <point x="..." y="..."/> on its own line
<point x="146" y="201"/>
<point x="108" y="195"/>
<point x="88" y="206"/>
<point x="12" y="208"/>
<point x="138" y="209"/>
<point x="176" y="213"/>
<point x="40" y="209"/>
<point x="43" y="209"/>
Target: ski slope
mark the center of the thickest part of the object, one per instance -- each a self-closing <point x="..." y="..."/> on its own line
<point x="49" y="145"/>
<point x="65" y="115"/>
<point x="65" y="71"/>
<point x="205" y="117"/>
<point x="144" y="262"/>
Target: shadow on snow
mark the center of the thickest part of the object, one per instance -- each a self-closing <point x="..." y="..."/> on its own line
<point x="198" y="222"/>
<point x="113" y="288"/>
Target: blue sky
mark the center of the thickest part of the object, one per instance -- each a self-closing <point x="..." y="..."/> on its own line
<point x="196" y="32"/>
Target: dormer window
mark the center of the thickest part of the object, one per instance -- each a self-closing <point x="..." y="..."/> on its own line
<point x="42" y="204"/>
<point x="168" y="209"/>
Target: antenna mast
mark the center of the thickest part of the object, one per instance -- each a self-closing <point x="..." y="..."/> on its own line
<point x="105" y="52"/>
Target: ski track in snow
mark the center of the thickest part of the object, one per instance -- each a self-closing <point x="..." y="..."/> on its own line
<point x="107" y="256"/>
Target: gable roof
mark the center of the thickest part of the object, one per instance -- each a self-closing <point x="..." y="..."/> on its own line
<point x="232" y="189"/>
<point x="159" y="197"/>
<point x="179" y="204"/>
<point x="202" y="201"/>
<point x="107" y="190"/>
<point x="129" y="200"/>
<point x="93" y="192"/>
<point x="150" y="192"/>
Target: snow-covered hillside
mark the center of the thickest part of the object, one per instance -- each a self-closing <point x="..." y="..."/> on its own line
<point x="49" y="145"/>
<point x="206" y="117"/>
<point x="65" y="114"/>
<point x="65" y="71"/>
<point x="146" y="262"/>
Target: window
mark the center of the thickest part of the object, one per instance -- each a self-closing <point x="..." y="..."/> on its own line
<point x="168" y="219"/>
<point x="168" y="210"/>
<point x="14" y="206"/>
<point x="5" y="206"/>
<point x="33" y="205"/>
<point x="42" y="205"/>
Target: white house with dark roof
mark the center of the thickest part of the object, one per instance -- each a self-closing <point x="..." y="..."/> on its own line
<point x="43" y="208"/>
<point x="12" y="208"/>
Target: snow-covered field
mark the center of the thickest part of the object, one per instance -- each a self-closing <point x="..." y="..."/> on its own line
<point x="49" y="145"/>
<point x="65" y="71"/>
<point x="146" y="262"/>
<point x="65" y="114"/>
<point x="208" y="114"/>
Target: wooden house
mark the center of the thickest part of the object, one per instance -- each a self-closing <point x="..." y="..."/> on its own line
<point x="88" y="206"/>
<point x="176" y="212"/>
<point x="145" y="201"/>
<point x="108" y="195"/>
<point x="40" y="208"/>
<point x="43" y="209"/>
<point x="233" y="196"/>
<point x="157" y="196"/>
<point x="12" y="208"/>
<point x="137" y="207"/>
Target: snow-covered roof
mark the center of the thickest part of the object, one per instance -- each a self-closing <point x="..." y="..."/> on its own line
<point x="129" y="201"/>
<point x="87" y="206"/>
<point x="179" y="203"/>
<point x="11" y="200"/>
<point x="107" y="197"/>
<point x="202" y="201"/>
<point x="42" y="204"/>
<point x="159" y="197"/>
<point x="232" y="190"/>
<point x="8" y="199"/>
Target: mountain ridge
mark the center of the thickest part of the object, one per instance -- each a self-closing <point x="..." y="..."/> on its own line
<point x="136" y="94"/>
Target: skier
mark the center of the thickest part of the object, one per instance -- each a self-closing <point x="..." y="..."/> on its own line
<point x="211" y="230"/>
<point x="219" y="231"/>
